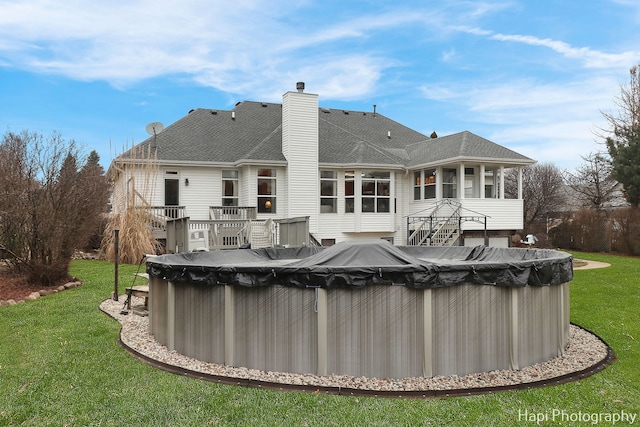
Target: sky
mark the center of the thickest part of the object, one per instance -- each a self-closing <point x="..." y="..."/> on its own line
<point x="534" y="76"/>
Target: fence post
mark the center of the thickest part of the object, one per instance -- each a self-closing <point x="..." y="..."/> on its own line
<point x="116" y="244"/>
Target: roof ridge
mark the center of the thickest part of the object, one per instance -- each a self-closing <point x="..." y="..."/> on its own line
<point x="371" y="144"/>
<point x="264" y="141"/>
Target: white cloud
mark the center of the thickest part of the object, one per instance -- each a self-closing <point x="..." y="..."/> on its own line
<point x="226" y="47"/>
<point x="554" y="122"/>
<point x="591" y="58"/>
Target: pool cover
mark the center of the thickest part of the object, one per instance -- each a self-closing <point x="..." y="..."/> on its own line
<point x="367" y="263"/>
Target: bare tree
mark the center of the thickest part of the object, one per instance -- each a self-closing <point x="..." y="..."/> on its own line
<point x="628" y="115"/>
<point x="593" y="184"/>
<point x="541" y="190"/>
<point x="623" y="139"/>
<point x="49" y="203"/>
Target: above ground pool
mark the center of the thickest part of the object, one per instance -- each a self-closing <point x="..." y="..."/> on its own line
<point x="364" y="308"/>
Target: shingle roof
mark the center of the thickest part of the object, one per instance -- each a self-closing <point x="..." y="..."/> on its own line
<point x="461" y="145"/>
<point x="252" y="131"/>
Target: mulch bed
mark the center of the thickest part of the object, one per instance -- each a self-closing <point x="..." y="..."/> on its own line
<point x="17" y="288"/>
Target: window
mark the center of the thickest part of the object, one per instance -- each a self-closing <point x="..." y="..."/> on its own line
<point x="229" y="188"/>
<point x="449" y="184"/>
<point x="469" y="182"/>
<point x="328" y="192"/>
<point x="430" y="184"/>
<point x="489" y="184"/>
<point x="349" y="192"/>
<point x="266" y="191"/>
<point x="416" y="185"/>
<point x="376" y="191"/>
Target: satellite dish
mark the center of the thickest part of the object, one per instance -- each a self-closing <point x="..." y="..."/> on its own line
<point x="154" y="128"/>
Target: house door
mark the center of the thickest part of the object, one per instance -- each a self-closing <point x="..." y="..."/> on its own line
<point x="171" y="196"/>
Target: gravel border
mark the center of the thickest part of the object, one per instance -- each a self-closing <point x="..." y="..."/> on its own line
<point x="585" y="355"/>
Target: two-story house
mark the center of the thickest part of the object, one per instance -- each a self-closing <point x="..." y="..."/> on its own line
<point x="354" y="174"/>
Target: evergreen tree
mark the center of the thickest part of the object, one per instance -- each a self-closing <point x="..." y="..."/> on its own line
<point x="626" y="164"/>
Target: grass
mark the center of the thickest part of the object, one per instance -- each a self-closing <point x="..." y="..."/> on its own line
<point x="60" y="365"/>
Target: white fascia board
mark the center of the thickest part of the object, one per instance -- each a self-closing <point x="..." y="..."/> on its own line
<point x="360" y="166"/>
<point x="483" y="160"/>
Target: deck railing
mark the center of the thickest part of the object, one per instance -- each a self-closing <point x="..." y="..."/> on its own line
<point x="158" y="216"/>
<point x="232" y="212"/>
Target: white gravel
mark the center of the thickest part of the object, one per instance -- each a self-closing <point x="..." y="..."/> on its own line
<point x="583" y="350"/>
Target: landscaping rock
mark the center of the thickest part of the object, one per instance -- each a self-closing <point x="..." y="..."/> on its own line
<point x="71" y="285"/>
<point x="33" y="296"/>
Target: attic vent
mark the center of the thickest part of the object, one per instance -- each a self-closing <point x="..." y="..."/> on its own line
<point x="326" y="110"/>
<point x="214" y="112"/>
<point x="264" y="104"/>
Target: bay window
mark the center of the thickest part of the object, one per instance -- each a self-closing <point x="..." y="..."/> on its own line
<point x="328" y="192"/>
<point x="349" y="192"/>
<point x="376" y="191"/>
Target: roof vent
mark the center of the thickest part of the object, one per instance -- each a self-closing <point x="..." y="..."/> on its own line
<point x="214" y="112"/>
<point x="300" y="87"/>
<point x="345" y="111"/>
<point x="374" y="110"/>
<point x="326" y="110"/>
<point x="389" y="134"/>
<point x="264" y="104"/>
<point x="233" y="115"/>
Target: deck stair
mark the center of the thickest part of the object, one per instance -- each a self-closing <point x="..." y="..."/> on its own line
<point x="440" y="228"/>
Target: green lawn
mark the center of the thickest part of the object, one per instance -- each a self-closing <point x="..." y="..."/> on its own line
<point x="60" y="365"/>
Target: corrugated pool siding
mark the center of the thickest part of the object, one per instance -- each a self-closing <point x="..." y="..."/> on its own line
<point x="200" y="319"/>
<point x="158" y="309"/>
<point x="375" y="332"/>
<point x="473" y="318"/>
<point x="540" y="307"/>
<point x="276" y="329"/>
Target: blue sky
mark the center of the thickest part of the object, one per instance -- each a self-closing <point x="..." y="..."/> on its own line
<point x="531" y="75"/>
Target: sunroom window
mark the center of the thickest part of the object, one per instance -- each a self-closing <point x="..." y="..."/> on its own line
<point x="430" y="184"/>
<point x="449" y="183"/>
<point x="416" y="185"/>
<point x="489" y="183"/>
